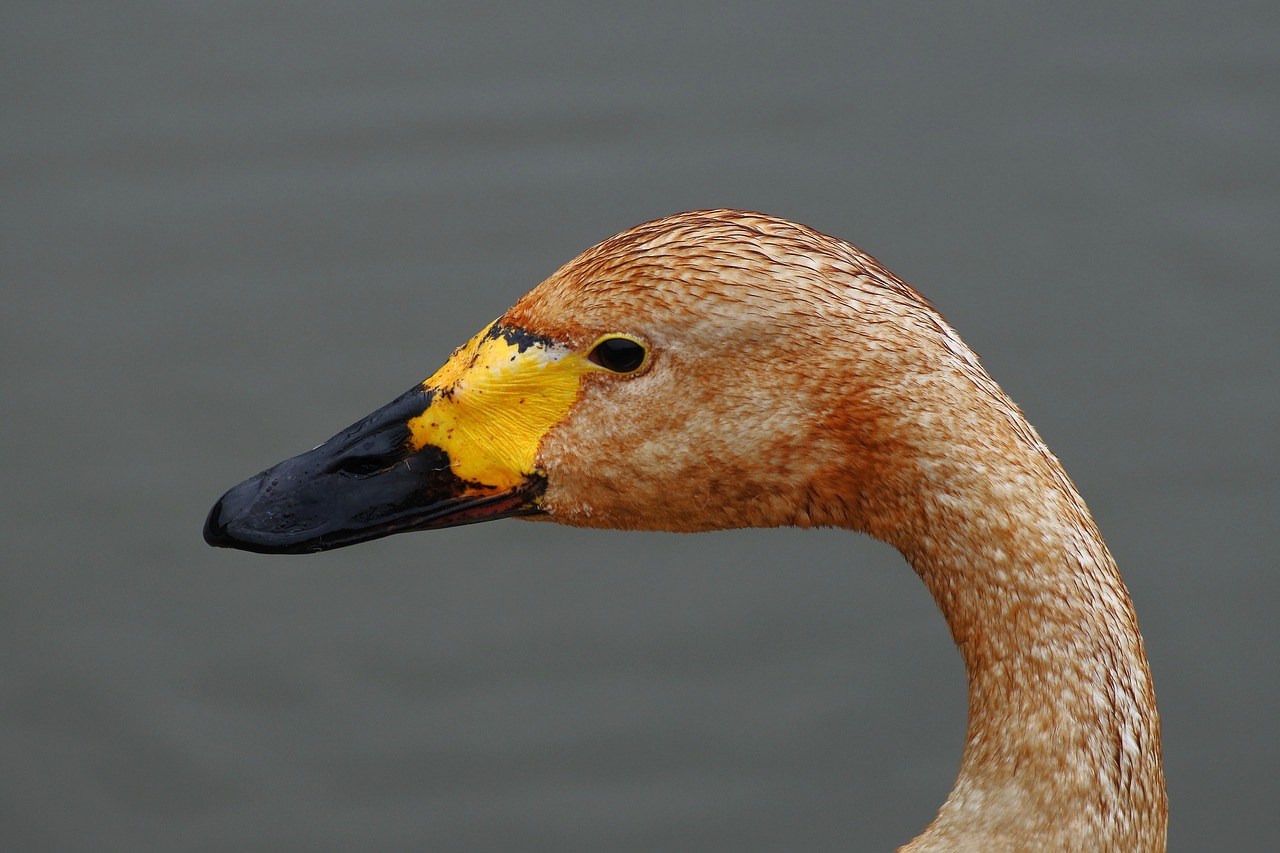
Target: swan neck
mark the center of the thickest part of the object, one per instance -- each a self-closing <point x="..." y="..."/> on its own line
<point x="1062" y="749"/>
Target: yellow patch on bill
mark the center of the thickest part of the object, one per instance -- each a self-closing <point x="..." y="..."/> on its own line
<point x="494" y="400"/>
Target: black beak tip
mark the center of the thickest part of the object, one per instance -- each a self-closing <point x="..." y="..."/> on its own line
<point x="249" y="517"/>
<point x="215" y="531"/>
<point x="230" y="524"/>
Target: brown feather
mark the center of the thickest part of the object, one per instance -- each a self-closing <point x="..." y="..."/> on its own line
<point x="794" y="381"/>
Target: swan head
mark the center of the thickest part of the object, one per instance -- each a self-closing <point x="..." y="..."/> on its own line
<point x="723" y="369"/>
<point x="708" y="370"/>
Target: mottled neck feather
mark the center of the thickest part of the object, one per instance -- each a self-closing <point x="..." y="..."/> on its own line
<point x="1063" y="744"/>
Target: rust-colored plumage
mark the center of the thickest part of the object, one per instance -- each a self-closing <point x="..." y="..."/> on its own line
<point x="797" y="382"/>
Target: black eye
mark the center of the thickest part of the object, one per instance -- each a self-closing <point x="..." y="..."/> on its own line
<point x="621" y="355"/>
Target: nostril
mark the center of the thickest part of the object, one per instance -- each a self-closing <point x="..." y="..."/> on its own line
<point x="364" y="466"/>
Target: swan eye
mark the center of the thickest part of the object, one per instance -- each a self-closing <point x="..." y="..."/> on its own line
<point x="619" y="354"/>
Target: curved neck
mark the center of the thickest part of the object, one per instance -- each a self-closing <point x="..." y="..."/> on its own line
<point x="1063" y="742"/>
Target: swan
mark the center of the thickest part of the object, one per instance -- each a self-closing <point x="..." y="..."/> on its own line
<point x="725" y="369"/>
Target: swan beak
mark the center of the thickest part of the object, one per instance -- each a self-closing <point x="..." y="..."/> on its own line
<point x="458" y="449"/>
<point x="364" y="483"/>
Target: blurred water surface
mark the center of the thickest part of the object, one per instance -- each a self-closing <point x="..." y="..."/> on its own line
<point x="230" y="229"/>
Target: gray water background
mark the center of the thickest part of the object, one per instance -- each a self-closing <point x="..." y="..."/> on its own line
<point x="230" y="229"/>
